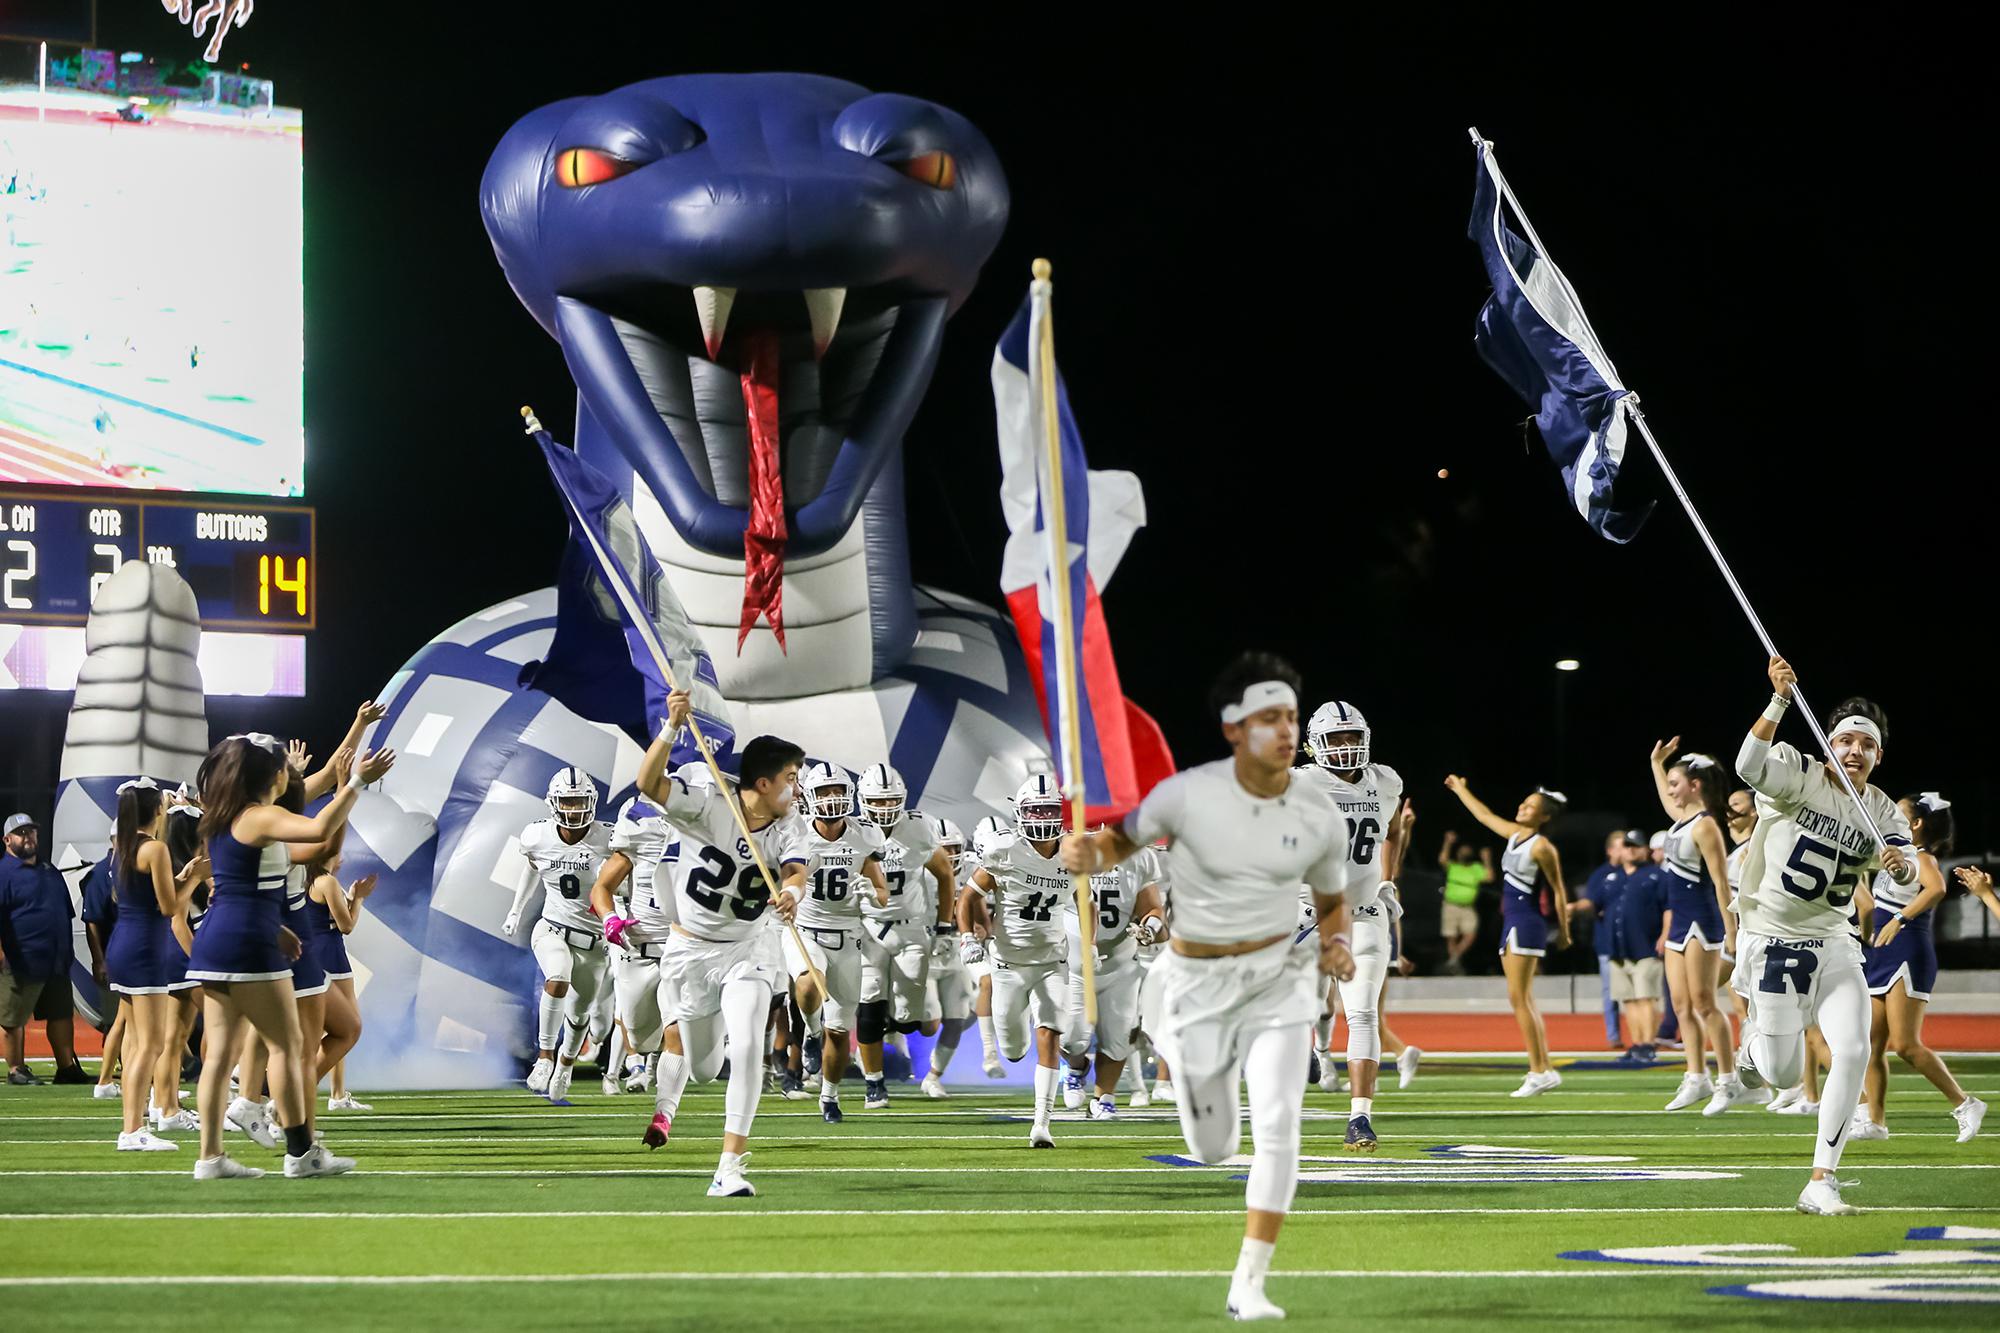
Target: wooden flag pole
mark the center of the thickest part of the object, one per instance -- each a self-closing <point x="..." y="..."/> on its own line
<point x="630" y="603"/>
<point x="1071" y="739"/>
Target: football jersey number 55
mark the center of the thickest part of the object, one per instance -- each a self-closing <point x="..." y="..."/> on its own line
<point x="1823" y="869"/>
<point x="706" y="885"/>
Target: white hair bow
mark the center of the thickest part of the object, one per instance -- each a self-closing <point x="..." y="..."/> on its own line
<point x="1931" y="801"/>
<point x="137" y="784"/>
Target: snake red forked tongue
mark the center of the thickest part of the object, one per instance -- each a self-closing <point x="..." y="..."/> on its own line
<point x="764" y="536"/>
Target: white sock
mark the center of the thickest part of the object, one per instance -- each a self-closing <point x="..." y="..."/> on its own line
<point x="549" y="1022"/>
<point x="671" y="1083"/>
<point x="1252" y="1263"/>
<point x="1360" y="1106"/>
<point x="615" y="1057"/>
<point x="572" y="1042"/>
<point x="1046" y="1080"/>
<point x="829" y="1091"/>
<point x="987" y="1037"/>
<point x="813" y="1026"/>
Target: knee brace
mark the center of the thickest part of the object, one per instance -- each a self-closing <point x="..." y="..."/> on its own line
<point x="1364" y="1035"/>
<point x="871" y="1017"/>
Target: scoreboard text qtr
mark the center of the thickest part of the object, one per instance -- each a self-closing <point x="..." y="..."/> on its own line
<point x="252" y="566"/>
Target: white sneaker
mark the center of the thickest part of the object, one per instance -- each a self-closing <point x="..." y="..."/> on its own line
<point x="933" y="1088"/>
<point x="729" y="1182"/>
<point x="1329" y="1075"/>
<point x="346" y="1102"/>
<point x="559" y="1084"/>
<point x="187" y="1122"/>
<point x="316" y="1162"/>
<point x="1783" y="1101"/>
<point x="247" y="1117"/>
<point x="1864" y="1128"/>
<point x="1406" y="1065"/>
<point x="1968" y="1113"/>
<point x="1163" y="1091"/>
<point x="639" y="1077"/>
<point x="1534" y="1085"/>
<point x="810" y="1083"/>
<point x="1694" y="1088"/>
<point x="1822" y="1198"/>
<point x="992" y="1067"/>
<point x="1072" y="1093"/>
<point x="105" y="1092"/>
<point x="612" y="1087"/>
<point x="1140" y="1099"/>
<point x="539" y="1076"/>
<point x="1104" y="1108"/>
<point x="224" y="1167"/>
<point x="1039" y="1136"/>
<point x="1731" y="1093"/>
<point x="1801" y="1107"/>
<point x="1248" y="1303"/>
<point x="142" y="1140"/>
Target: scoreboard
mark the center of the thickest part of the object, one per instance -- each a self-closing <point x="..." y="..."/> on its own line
<point x="252" y="565"/>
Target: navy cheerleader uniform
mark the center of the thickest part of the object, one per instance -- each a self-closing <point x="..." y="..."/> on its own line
<point x="1690" y="894"/>
<point x="238" y="939"/>
<point x="1522" y="929"/>
<point x="136" y="955"/>
<point x="328" y="944"/>
<point x="308" y="977"/>
<point x="1910" y="958"/>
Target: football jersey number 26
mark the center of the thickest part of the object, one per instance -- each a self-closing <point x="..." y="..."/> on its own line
<point x="708" y="883"/>
<point x="1361" y="840"/>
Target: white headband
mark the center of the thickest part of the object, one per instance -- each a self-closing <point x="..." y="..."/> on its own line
<point x="1256" y="698"/>
<point x="1860" y="726"/>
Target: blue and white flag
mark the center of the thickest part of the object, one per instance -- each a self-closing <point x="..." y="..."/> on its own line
<point x="1534" y="334"/>
<point x="614" y="607"/>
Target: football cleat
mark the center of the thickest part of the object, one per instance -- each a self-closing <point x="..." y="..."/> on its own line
<point x="1863" y="1128"/>
<point x="657" y="1132"/>
<point x="1329" y="1074"/>
<point x="317" y="1161"/>
<point x="791" y="1087"/>
<point x="1163" y="1091"/>
<point x="876" y="1096"/>
<point x="1072" y="1089"/>
<point x="1140" y="1099"/>
<point x="1694" y="1088"/>
<point x="105" y="1092"/>
<point x="1822" y="1199"/>
<point x="729" y="1182"/>
<point x="992" y="1067"/>
<point x="224" y="1167"/>
<point x="638" y="1079"/>
<point x="1247" y="1304"/>
<point x="1968" y="1113"/>
<point x="346" y="1102"/>
<point x="1360" y="1135"/>
<point x="142" y="1140"/>
<point x="933" y="1088"/>
<point x="809" y="1053"/>
<point x="1104" y="1108"/>
<point x="1039" y="1136"/>
<point x="1780" y="1103"/>
<point x="1406" y="1065"/>
<point x="1733" y="1092"/>
<point x="559" y="1085"/>
<point x="829" y="1111"/>
<point x="610" y="1083"/>
<point x="539" y="1076"/>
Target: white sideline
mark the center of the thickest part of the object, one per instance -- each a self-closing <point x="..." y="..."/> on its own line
<point x="1356" y="1162"/>
<point x="721" y="1215"/>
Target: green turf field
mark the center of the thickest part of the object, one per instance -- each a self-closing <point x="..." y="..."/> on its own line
<point x="494" y="1210"/>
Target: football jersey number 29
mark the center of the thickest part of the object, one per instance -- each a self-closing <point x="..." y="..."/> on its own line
<point x="707" y="882"/>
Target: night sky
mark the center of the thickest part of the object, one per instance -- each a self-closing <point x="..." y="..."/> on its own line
<point x="1265" y="298"/>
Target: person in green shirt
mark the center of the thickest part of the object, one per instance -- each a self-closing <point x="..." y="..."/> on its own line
<point x="1465" y="871"/>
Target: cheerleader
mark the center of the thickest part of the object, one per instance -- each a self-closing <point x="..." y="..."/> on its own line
<point x="1523" y="933"/>
<point x="183" y="841"/>
<point x="1700" y="928"/>
<point x="332" y="912"/>
<point x="1902" y="967"/>
<point x="242" y="955"/>
<point x="148" y="896"/>
<point x="1975" y="881"/>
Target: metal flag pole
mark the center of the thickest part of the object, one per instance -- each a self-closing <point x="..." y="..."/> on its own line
<point x="629" y="600"/>
<point x="1057" y="518"/>
<point x="1638" y="415"/>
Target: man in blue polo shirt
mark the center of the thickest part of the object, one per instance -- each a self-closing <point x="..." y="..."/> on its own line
<point x="35" y="953"/>
<point x="1594" y="900"/>
<point x="1638" y="918"/>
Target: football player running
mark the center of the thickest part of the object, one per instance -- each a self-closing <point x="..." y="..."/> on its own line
<point x="949" y="990"/>
<point x="639" y="870"/>
<point x="1232" y="1000"/>
<point x="1368" y="796"/>
<point x="1798" y="961"/>
<point x="1125" y="898"/>
<point x="897" y="936"/>
<point x="837" y="853"/>
<point x="1020" y="887"/>
<point x="561" y="855"/>
<point x="721" y="965"/>
<point x="972" y="947"/>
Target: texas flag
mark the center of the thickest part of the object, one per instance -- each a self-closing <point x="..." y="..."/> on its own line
<point x="1124" y="753"/>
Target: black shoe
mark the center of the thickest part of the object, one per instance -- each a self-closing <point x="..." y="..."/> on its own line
<point x="73" y="1073"/>
<point x="830" y="1112"/>
<point x="1312" y="1068"/>
<point x="22" y="1077"/>
<point x="809" y="1054"/>
<point x="1360" y="1135"/>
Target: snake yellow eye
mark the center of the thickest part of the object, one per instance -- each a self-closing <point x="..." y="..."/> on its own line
<point x="935" y="169"/>
<point x="587" y="166"/>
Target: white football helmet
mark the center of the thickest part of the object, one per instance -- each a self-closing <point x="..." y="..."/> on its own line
<point x="952" y="839"/>
<point x="987" y="832"/>
<point x="828" y="793"/>
<point x="1038" y="808"/>
<point x="883" y="796"/>
<point x="572" y="798"/>
<point x="1330" y="720"/>
<point x="695" y="775"/>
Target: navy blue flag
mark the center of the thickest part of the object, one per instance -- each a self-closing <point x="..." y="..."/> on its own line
<point x="616" y="614"/>
<point x="1534" y="334"/>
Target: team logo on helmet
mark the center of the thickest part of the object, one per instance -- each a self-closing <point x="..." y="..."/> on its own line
<point x="572" y="798"/>
<point x="1338" y="719"/>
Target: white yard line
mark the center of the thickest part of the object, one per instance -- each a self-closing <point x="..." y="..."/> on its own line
<point x="388" y="1138"/>
<point x="722" y="1214"/>
<point x="1388" y="1172"/>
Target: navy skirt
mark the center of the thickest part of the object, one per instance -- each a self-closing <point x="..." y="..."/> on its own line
<point x="136" y="956"/>
<point x="1910" y="958"/>
<point x="308" y="977"/>
<point x="1695" y="909"/>
<point x="238" y="940"/>
<point x="330" y="947"/>
<point x="1522" y="929"/>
